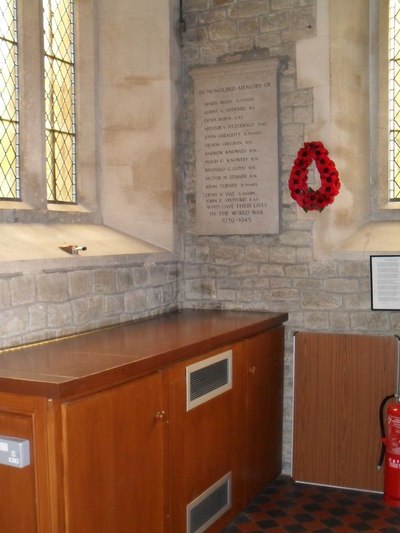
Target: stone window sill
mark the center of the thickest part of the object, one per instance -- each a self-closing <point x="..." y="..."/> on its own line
<point x="27" y="247"/>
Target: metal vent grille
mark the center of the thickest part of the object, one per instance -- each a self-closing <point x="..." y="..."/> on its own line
<point x="209" y="506"/>
<point x="208" y="378"/>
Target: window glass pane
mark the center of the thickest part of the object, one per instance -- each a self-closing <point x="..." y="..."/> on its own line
<point x="59" y="100"/>
<point x="60" y="106"/>
<point x="9" y="168"/>
<point x="61" y="164"/>
<point x="394" y="100"/>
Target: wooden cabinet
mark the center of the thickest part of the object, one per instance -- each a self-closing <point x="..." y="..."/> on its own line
<point x="236" y="433"/>
<point x="117" y="447"/>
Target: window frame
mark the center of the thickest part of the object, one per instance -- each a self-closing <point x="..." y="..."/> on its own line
<point x="34" y="206"/>
<point x="11" y="116"/>
<point x="392" y="108"/>
<point x="381" y="207"/>
<point x="60" y="123"/>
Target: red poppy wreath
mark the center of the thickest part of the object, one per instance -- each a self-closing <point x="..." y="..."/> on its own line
<point x="306" y="197"/>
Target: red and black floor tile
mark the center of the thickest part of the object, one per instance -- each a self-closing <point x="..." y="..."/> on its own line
<point x="291" y="507"/>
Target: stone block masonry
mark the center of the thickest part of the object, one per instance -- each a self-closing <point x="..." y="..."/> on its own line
<point x="52" y="304"/>
<point x="268" y="272"/>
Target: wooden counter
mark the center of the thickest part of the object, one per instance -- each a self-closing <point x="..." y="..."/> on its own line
<point x="87" y="362"/>
<point x="115" y="444"/>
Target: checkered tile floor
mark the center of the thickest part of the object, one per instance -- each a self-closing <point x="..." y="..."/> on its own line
<point x="291" y="507"/>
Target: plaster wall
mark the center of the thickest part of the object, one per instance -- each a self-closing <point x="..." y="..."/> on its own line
<point x="137" y="117"/>
<point x="335" y="64"/>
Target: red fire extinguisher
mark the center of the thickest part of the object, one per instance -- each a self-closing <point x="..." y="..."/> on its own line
<point x="391" y="450"/>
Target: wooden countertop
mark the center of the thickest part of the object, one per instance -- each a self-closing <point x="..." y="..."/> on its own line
<point x="88" y="362"/>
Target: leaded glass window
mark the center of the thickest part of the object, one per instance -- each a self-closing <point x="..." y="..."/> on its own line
<point x="59" y="100"/>
<point x="9" y="162"/>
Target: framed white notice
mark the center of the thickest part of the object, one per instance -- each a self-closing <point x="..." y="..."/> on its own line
<point x="385" y="282"/>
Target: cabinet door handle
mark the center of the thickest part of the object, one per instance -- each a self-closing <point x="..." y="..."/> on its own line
<point x="252" y="370"/>
<point x="161" y="415"/>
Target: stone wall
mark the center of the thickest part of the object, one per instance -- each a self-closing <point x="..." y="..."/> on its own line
<point x="264" y="272"/>
<point x="53" y="303"/>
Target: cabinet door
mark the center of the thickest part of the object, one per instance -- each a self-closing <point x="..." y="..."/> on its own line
<point x="204" y="446"/>
<point x="113" y="446"/>
<point x="24" y="494"/>
<point x="340" y="381"/>
<point x="264" y="409"/>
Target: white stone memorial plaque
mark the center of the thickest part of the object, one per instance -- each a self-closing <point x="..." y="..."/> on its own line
<point x="236" y="129"/>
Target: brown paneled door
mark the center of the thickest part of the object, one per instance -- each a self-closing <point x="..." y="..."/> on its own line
<point x="18" y="498"/>
<point x="339" y="383"/>
<point x="264" y="409"/>
<point x="113" y="445"/>
<point x="24" y="494"/>
<point x="205" y="443"/>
